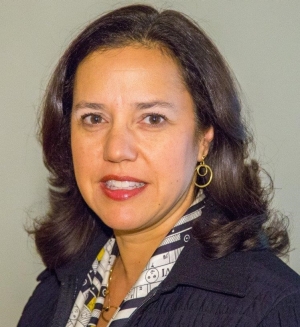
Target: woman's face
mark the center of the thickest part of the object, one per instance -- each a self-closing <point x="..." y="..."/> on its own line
<point x="133" y="137"/>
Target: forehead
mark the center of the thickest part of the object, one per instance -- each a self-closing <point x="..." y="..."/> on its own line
<point x="135" y="59"/>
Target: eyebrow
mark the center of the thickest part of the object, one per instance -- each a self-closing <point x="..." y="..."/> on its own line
<point x="138" y="105"/>
<point x="90" y="105"/>
<point x="151" y="104"/>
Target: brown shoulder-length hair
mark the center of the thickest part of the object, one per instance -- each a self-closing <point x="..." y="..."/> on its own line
<point x="243" y="219"/>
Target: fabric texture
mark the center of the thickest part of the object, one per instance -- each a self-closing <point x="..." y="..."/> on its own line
<point x="243" y="289"/>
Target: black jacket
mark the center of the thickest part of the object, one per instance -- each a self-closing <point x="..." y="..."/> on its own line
<point x="252" y="288"/>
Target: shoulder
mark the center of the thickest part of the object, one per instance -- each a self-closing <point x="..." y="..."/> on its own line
<point x="244" y="288"/>
<point x="41" y="305"/>
<point x="270" y="289"/>
<point x="276" y="287"/>
<point x="59" y="287"/>
<point x="268" y="278"/>
<point x="262" y="280"/>
<point x="267" y="269"/>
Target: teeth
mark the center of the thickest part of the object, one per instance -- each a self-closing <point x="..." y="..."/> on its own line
<point x="123" y="185"/>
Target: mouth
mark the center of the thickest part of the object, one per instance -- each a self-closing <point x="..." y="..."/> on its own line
<point x="123" y="185"/>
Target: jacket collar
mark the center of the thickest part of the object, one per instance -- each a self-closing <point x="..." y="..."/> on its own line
<point x="227" y="275"/>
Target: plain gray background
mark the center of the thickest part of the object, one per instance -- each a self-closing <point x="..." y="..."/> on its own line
<point x="259" y="38"/>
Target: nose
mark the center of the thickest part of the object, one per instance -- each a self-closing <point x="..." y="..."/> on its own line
<point x="120" y="145"/>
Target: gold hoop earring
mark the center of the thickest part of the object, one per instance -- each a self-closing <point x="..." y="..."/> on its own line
<point x="202" y="170"/>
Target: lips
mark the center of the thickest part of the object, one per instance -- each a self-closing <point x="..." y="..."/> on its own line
<point x="120" y="188"/>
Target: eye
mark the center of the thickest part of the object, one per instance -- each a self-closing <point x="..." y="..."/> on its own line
<point x="91" y="119"/>
<point x="154" y="119"/>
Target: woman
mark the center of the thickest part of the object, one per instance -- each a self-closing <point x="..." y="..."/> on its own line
<point x="157" y="216"/>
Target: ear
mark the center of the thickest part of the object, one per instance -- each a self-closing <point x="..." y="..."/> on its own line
<point x="204" y="142"/>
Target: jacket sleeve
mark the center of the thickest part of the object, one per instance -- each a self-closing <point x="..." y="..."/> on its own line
<point x="285" y="314"/>
<point x="41" y="305"/>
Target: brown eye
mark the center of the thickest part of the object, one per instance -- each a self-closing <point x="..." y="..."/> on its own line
<point x="92" y="119"/>
<point x="154" y="119"/>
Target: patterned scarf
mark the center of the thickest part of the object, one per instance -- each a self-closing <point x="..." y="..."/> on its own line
<point x="89" y="303"/>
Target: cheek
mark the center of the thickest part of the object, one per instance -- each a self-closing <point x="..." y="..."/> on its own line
<point x="84" y="158"/>
<point x="177" y="159"/>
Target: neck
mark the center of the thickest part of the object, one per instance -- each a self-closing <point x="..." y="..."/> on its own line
<point x="135" y="251"/>
<point x="137" y="246"/>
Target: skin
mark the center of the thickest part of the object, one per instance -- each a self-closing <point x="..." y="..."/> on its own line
<point x="132" y="116"/>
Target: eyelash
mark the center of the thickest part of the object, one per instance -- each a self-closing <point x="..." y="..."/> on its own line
<point x="156" y="115"/>
<point x="91" y="115"/>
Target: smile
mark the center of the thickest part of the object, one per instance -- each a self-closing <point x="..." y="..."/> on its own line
<point x="123" y="185"/>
